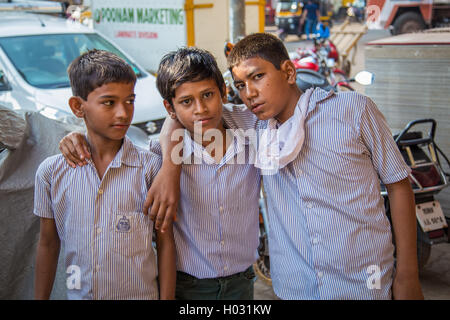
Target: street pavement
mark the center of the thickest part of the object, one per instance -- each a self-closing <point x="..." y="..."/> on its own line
<point x="435" y="276"/>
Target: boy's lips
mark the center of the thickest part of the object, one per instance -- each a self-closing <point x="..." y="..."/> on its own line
<point x="205" y="120"/>
<point x="257" y="107"/>
<point x="121" y="125"/>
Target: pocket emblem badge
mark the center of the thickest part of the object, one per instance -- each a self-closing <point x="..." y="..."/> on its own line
<point x="123" y="224"/>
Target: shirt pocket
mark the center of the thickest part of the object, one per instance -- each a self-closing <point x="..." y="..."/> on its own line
<point x="131" y="234"/>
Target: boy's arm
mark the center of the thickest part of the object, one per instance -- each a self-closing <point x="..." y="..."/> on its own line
<point x="75" y="149"/>
<point x="46" y="259"/>
<point x="406" y="280"/>
<point x="393" y="172"/>
<point x="165" y="246"/>
<point x="164" y="193"/>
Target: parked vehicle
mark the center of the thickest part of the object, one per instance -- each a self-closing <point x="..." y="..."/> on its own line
<point x="322" y="58"/>
<point x="404" y="16"/>
<point x="287" y="18"/>
<point x="269" y="13"/>
<point x="35" y="51"/>
<point x="427" y="179"/>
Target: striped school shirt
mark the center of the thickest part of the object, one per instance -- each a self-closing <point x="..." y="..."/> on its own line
<point x="217" y="231"/>
<point x="107" y="239"/>
<point x="329" y="235"/>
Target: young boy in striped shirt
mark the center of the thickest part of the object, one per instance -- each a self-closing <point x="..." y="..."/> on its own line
<point x="95" y="211"/>
<point x="329" y="235"/>
<point x="216" y="231"/>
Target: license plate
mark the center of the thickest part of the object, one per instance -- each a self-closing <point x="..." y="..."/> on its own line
<point x="430" y="216"/>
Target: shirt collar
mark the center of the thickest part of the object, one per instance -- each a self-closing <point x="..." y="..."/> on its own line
<point x="192" y="147"/>
<point x="317" y="96"/>
<point x="127" y="155"/>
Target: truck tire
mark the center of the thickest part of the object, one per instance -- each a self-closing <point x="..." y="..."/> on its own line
<point x="408" y="22"/>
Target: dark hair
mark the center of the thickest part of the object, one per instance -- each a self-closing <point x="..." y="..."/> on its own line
<point x="187" y="64"/>
<point x="95" y="68"/>
<point x="262" y="45"/>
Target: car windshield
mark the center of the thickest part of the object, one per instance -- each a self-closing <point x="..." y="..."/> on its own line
<point x="42" y="60"/>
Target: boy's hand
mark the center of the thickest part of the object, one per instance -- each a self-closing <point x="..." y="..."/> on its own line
<point x="75" y="149"/>
<point x="407" y="288"/>
<point x="163" y="197"/>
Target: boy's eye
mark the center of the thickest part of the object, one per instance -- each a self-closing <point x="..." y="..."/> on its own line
<point x="185" y="102"/>
<point x="131" y="101"/>
<point x="208" y="94"/>
<point x="239" y="86"/>
<point x="108" y="103"/>
<point x="259" y="76"/>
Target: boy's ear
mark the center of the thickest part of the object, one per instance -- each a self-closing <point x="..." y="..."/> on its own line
<point x="224" y="96"/>
<point x="287" y="66"/>
<point x="170" y="109"/>
<point x="76" y="105"/>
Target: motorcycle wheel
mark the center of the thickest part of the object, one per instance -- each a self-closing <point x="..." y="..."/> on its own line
<point x="262" y="264"/>
<point x="423" y="248"/>
<point x="262" y="269"/>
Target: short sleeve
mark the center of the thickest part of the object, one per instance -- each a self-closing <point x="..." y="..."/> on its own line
<point x="42" y="190"/>
<point x="152" y="162"/>
<point x="155" y="147"/>
<point x="377" y="137"/>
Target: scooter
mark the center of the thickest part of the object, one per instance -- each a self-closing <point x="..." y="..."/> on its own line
<point x="427" y="179"/>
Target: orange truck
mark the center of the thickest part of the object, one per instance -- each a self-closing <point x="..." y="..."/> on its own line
<point x="403" y="16"/>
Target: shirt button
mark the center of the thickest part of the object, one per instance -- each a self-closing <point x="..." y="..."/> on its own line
<point x="221" y="209"/>
<point x="222" y="242"/>
<point x="309" y="205"/>
<point x="100" y="191"/>
<point x="225" y="268"/>
<point x="99" y="230"/>
<point x="315" y="241"/>
<point x="300" y="171"/>
<point x="320" y="274"/>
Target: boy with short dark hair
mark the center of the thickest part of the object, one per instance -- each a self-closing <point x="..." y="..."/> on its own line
<point x="329" y="235"/>
<point x="96" y="210"/>
<point x="216" y="231"/>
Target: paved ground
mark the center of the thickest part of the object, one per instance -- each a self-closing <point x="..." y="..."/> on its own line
<point x="435" y="278"/>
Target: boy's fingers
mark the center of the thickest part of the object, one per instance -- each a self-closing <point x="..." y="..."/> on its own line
<point x="148" y="203"/>
<point x="70" y="152"/>
<point x="70" y="159"/>
<point x="87" y="153"/>
<point x="170" y="216"/>
<point x="160" y="216"/>
<point x="154" y="210"/>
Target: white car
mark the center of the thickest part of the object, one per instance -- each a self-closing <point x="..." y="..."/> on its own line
<point x="35" y="51"/>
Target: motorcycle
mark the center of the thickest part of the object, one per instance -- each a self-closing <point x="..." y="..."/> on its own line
<point x="322" y="58"/>
<point x="427" y="179"/>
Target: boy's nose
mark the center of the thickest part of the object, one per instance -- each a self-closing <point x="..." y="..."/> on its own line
<point x="200" y="107"/>
<point x="250" y="91"/>
<point x="124" y="112"/>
